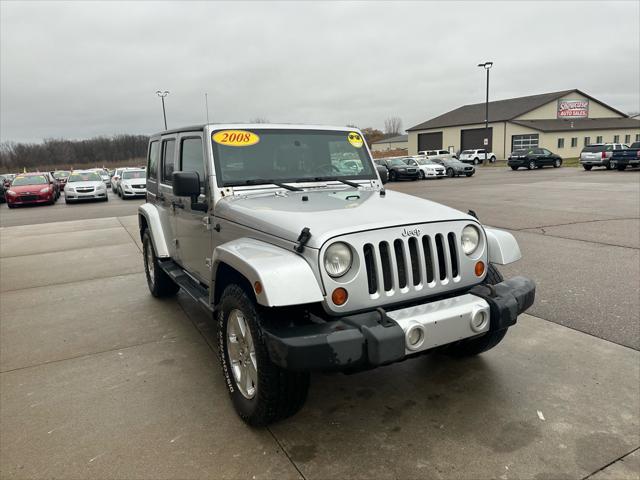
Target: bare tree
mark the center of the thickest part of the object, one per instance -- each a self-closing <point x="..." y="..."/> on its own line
<point x="393" y="126"/>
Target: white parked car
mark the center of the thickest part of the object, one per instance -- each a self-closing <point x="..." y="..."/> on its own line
<point x="431" y="154"/>
<point x="476" y="156"/>
<point x="428" y="169"/>
<point x="132" y="183"/>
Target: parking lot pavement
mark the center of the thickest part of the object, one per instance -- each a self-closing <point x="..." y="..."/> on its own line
<point x="579" y="233"/>
<point x="101" y="380"/>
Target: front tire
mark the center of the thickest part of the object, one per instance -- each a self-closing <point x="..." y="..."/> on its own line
<point x="392" y="176"/>
<point x="261" y="391"/>
<point x="492" y="159"/>
<point x="450" y="172"/>
<point x="475" y="346"/>
<point x="557" y="163"/>
<point x="160" y="284"/>
<point x="531" y="165"/>
<point x="421" y="175"/>
<point x="476" y="161"/>
<point x="514" y="168"/>
<point x="610" y="165"/>
<point x="621" y="168"/>
<point x="587" y="167"/>
<point x="469" y="174"/>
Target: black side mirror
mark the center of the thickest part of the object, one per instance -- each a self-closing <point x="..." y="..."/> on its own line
<point x="187" y="184"/>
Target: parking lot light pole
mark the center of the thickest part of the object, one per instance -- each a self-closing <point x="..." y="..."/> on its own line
<point x="163" y="94"/>
<point x="487" y="66"/>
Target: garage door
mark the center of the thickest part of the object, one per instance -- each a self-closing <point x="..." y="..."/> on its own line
<point x="429" y="141"/>
<point x="474" y="138"/>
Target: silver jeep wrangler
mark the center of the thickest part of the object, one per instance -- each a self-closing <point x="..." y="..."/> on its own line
<point x="287" y="235"/>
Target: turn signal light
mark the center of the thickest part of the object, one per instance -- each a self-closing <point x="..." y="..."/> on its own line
<point x="479" y="269"/>
<point x="339" y="296"/>
<point x="257" y="287"/>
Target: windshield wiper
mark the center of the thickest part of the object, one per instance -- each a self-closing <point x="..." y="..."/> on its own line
<point x="337" y="179"/>
<point x="260" y="181"/>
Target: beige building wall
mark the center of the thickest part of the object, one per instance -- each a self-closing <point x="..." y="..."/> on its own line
<point x="550" y="140"/>
<point x="550" y="110"/>
<point x="383" y="147"/>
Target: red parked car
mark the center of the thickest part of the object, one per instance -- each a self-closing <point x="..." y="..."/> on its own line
<point x="31" y="188"/>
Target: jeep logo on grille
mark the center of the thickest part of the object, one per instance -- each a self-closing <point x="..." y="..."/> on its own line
<point x="411" y="233"/>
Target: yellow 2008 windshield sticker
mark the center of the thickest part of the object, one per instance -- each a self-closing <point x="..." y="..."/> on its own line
<point x="355" y="139"/>
<point x="235" y="138"/>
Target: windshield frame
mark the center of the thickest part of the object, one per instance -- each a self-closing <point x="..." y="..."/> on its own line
<point x="20" y="177"/>
<point x="122" y="175"/>
<point x="333" y="176"/>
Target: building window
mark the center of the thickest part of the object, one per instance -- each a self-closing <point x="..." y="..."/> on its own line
<point x="587" y="141"/>
<point x="519" y="142"/>
<point x="574" y="142"/>
<point x="599" y="139"/>
<point x="561" y="143"/>
<point x="627" y="138"/>
<point x="616" y="139"/>
<point x="637" y="137"/>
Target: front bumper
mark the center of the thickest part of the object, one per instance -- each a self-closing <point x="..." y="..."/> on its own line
<point x="29" y="199"/>
<point x="95" y="195"/>
<point x="134" y="192"/>
<point x="379" y="337"/>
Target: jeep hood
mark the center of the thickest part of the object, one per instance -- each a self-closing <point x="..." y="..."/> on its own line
<point x="331" y="212"/>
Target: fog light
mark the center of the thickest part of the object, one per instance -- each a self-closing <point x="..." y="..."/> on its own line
<point x="479" y="269"/>
<point x="414" y="338"/>
<point x="339" y="296"/>
<point x="479" y="320"/>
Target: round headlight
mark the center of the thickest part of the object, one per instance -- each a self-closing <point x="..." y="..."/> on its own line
<point x="337" y="259"/>
<point x="470" y="239"/>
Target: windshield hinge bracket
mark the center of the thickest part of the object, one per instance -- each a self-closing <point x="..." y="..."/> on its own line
<point x="303" y="238"/>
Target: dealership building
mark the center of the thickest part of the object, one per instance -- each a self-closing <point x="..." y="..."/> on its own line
<point x="563" y="122"/>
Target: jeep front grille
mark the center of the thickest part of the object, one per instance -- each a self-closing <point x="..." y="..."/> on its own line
<point x="411" y="263"/>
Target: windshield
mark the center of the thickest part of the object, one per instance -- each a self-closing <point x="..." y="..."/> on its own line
<point x="61" y="174"/>
<point x="424" y="161"/>
<point x="84" y="177"/>
<point x="29" y="180"/>
<point x="263" y="156"/>
<point x="134" y="174"/>
<point x="596" y="148"/>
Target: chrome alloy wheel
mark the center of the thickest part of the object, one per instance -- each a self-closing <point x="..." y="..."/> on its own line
<point x="242" y="354"/>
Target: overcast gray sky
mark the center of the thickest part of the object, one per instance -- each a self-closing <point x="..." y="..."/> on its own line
<point x="75" y="70"/>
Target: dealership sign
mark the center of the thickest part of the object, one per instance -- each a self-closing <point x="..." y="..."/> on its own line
<point x="573" y="108"/>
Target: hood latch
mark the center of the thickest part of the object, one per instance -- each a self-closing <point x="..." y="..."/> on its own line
<point x="303" y="238"/>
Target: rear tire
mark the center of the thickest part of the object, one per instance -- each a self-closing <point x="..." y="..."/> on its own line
<point x="268" y="392"/>
<point x="450" y="172"/>
<point x="587" y="167"/>
<point x="514" y="168"/>
<point x="531" y="165"/>
<point x="475" y="346"/>
<point x="160" y="284"/>
<point x="476" y="161"/>
<point x="492" y="159"/>
<point x="621" y="168"/>
<point x="392" y="176"/>
<point x="610" y="165"/>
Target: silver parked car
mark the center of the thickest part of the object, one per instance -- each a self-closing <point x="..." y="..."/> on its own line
<point x="85" y="185"/>
<point x="599" y="155"/>
<point x="455" y="168"/>
<point x="309" y="267"/>
<point x="132" y="183"/>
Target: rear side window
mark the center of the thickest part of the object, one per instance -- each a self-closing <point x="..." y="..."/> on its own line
<point x="594" y="148"/>
<point x="152" y="161"/>
<point x="168" y="151"/>
<point x="191" y="156"/>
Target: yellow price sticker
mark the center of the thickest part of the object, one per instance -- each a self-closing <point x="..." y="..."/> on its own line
<point x="235" y="138"/>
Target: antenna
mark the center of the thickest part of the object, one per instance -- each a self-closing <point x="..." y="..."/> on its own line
<point x="206" y="103"/>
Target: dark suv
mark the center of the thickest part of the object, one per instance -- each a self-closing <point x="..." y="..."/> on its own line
<point x="533" y="158"/>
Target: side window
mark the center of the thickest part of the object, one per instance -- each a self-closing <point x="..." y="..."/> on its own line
<point x="191" y="156"/>
<point x="168" y="151"/>
<point x="152" y="161"/>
